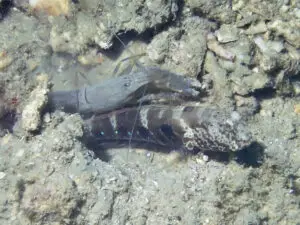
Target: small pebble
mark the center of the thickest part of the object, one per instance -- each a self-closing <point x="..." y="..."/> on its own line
<point x="266" y="113"/>
<point x="296" y="88"/>
<point x="20" y="153"/>
<point x="2" y="175"/>
<point x="47" y="118"/>
<point x="205" y="158"/>
<point x="297" y="108"/>
<point x="297" y="13"/>
<point x="227" y="33"/>
<point x="5" y="61"/>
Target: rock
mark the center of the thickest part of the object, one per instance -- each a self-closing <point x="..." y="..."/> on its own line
<point x="246" y="82"/>
<point x="158" y="49"/>
<point x="246" y="106"/>
<point x="53" y="7"/>
<point x="290" y="30"/>
<point x="66" y="132"/>
<point x="181" y="52"/>
<point x="258" y="28"/>
<point x="219" y="49"/>
<point x="91" y="27"/>
<point x="54" y="200"/>
<point x="267" y="46"/>
<point x="227" y="33"/>
<point x="5" y="60"/>
<point x="31" y="118"/>
<point x="221" y="93"/>
<point x="246" y="20"/>
<point x="215" y="9"/>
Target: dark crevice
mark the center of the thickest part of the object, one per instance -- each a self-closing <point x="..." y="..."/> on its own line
<point x="283" y="89"/>
<point x="8" y="120"/>
<point x="5" y="6"/>
<point x="204" y="15"/>
<point x="251" y="156"/>
<point x="264" y="93"/>
<point x="180" y="4"/>
<point x="202" y="69"/>
<point x="101" y="150"/>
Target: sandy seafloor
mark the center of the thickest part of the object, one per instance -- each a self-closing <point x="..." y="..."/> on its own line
<point x="248" y="51"/>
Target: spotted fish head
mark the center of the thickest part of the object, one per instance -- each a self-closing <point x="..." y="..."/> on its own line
<point x="216" y="130"/>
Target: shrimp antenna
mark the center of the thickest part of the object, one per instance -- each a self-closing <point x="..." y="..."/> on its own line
<point x="140" y="66"/>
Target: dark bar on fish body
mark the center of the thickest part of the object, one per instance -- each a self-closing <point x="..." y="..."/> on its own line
<point x="190" y="128"/>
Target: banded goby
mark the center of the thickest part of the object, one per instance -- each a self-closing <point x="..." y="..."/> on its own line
<point x="191" y="128"/>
